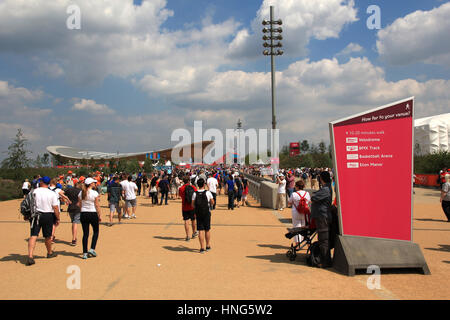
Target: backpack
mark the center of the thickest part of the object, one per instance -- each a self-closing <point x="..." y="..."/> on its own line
<point x="188" y="193"/>
<point x="303" y="205"/>
<point x="313" y="260"/>
<point x="201" y="204"/>
<point x="28" y="208"/>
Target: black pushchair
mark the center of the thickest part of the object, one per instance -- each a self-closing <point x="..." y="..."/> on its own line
<point x="308" y="233"/>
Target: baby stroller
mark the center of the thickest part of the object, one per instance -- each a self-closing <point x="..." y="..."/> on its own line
<point x="308" y="233"/>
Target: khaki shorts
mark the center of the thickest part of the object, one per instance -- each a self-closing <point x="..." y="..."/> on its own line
<point x="131" y="203"/>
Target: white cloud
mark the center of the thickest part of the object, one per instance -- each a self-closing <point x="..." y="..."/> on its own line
<point x="350" y="49"/>
<point x="52" y="70"/>
<point x="422" y="36"/>
<point x="10" y="94"/>
<point x="303" y="20"/>
<point x="92" y="107"/>
<point x="8" y="132"/>
<point x="116" y="38"/>
<point x="309" y="95"/>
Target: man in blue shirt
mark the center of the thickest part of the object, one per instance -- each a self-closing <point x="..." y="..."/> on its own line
<point x="230" y="188"/>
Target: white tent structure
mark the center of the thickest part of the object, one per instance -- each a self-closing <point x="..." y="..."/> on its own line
<point x="432" y="134"/>
<point x="259" y="162"/>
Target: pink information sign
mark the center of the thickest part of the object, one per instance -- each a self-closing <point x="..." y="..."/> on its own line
<point x="373" y="161"/>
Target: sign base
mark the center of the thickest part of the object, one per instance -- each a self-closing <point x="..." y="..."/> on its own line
<point x="352" y="253"/>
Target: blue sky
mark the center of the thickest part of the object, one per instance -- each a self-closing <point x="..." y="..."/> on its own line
<point x="132" y="75"/>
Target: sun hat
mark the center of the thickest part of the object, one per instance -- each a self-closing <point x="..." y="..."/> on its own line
<point x="89" y="181"/>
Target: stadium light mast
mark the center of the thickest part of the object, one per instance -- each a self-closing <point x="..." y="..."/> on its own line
<point x="238" y="153"/>
<point x="273" y="33"/>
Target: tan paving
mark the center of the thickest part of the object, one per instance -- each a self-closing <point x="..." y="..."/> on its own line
<point x="147" y="258"/>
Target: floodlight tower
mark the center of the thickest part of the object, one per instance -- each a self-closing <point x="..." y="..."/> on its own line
<point x="273" y="33"/>
<point x="238" y="152"/>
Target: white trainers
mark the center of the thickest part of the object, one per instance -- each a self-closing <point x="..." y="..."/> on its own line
<point x="126" y="216"/>
<point x="133" y="216"/>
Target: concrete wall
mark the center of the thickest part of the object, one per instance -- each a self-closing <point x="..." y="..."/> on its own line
<point x="263" y="190"/>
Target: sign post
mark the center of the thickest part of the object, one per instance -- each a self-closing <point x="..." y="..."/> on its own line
<point x="373" y="162"/>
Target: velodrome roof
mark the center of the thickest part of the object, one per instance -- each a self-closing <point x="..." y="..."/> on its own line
<point x="71" y="153"/>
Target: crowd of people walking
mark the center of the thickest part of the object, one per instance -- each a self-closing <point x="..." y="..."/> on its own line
<point x="197" y="189"/>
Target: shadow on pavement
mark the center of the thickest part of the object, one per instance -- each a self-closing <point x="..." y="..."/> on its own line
<point x="274" y="246"/>
<point x="42" y="240"/>
<point x="431" y="220"/>
<point x="21" y="258"/>
<point x="282" y="258"/>
<point x="169" y="238"/>
<point x="446" y="262"/>
<point x="70" y="254"/>
<point x="180" y="248"/>
<point x="443" y="247"/>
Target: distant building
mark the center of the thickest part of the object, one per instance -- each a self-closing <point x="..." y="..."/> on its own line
<point x="432" y="134"/>
<point x="69" y="154"/>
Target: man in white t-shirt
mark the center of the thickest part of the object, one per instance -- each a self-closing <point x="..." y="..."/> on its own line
<point x="212" y="187"/>
<point x="281" y="196"/>
<point x="130" y="188"/>
<point x="46" y="202"/>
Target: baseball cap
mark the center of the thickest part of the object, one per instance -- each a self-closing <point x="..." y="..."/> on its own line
<point x="69" y="172"/>
<point x="59" y="186"/>
<point x="88" y="181"/>
<point x="82" y="178"/>
<point x="45" y="180"/>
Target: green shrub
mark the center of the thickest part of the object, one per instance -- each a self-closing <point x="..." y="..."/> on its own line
<point x="431" y="163"/>
<point x="10" y="189"/>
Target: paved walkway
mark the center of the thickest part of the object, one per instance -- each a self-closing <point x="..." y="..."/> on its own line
<point x="148" y="258"/>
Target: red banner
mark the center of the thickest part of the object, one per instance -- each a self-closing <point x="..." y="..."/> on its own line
<point x="294" y="149"/>
<point x="429" y="180"/>
<point x="373" y="155"/>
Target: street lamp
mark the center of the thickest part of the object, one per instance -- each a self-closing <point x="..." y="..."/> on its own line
<point x="272" y="33"/>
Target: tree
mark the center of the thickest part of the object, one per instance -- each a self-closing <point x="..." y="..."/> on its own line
<point x="322" y="147"/>
<point x="133" y="166"/>
<point x="314" y="149"/>
<point x="148" y="165"/>
<point x="57" y="160"/>
<point x="17" y="153"/>
<point x="38" y="162"/>
<point x="121" y="165"/>
<point x="45" y="159"/>
<point x="304" y="146"/>
<point x="284" y="150"/>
